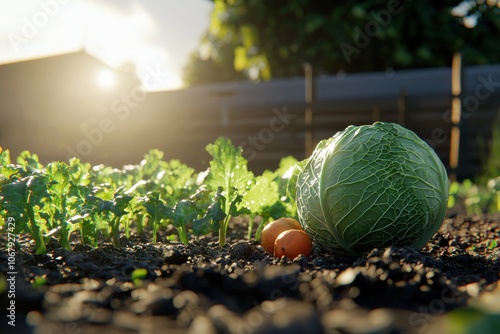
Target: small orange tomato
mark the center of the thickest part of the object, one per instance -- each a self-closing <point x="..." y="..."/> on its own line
<point x="273" y="229"/>
<point x="291" y="243"/>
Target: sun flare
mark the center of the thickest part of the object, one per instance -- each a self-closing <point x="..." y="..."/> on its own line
<point x="106" y="79"/>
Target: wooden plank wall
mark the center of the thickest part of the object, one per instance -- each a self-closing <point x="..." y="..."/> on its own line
<point x="419" y="100"/>
<point x="266" y="119"/>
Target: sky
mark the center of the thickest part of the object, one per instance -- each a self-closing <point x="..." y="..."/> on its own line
<point x="151" y="34"/>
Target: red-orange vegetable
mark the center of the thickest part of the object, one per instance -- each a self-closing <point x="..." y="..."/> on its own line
<point x="273" y="229"/>
<point x="291" y="243"/>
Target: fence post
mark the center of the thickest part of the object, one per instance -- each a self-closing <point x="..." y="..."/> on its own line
<point x="456" y="111"/>
<point x="308" y="114"/>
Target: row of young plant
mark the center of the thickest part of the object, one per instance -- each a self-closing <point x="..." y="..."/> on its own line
<point x="475" y="198"/>
<point x="61" y="198"/>
<point x="481" y="195"/>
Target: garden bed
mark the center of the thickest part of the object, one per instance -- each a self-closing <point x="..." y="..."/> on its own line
<point x="239" y="288"/>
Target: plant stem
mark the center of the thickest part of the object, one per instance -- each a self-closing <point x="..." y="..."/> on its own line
<point x="95" y="234"/>
<point x="64" y="238"/>
<point x="250" y="227"/>
<point x="115" y="231"/>
<point x="181" y="230"/>
<point x="222" y="236"/>
<point x="37" y="234"/>
<point x="223" y="230"/>
<point x="127" y="229"/>
<point x="140" y="223"/>
<point x="258" y="233"/>
<point x="156" y="222"/>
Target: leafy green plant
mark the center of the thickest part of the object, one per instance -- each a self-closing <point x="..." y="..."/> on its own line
<point x="23" y="199"/>
<point x="491" y="244"/>
<point x="156" y="210"/>
<point x="139" y="274"/>
<point x="174" y="180"/>
<point x="182" y="214"/>
<point x="214" y="215"/>
<point x="267" y="197"/>
<point x="100" y="203"/>
<point x="493" y="186"/>
<point x="370" y="186"/>
<point x="23" y="194"/>
<point x="229" y="173"/>
<point x="475" y="199"/>
<point x="261" y="196"/>
<point x="491" y="167"/>
<point x="117" y="207"/>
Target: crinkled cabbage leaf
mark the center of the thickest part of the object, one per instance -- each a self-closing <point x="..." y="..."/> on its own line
<point x="370" y="186"/>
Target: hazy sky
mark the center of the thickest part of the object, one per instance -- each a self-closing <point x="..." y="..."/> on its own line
<point x="156" y="34"/>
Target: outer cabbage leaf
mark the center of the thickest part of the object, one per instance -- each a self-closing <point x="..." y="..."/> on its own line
<point x="371" y="186"/>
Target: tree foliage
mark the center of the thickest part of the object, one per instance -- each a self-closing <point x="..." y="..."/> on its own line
<point x="260" y="39"/>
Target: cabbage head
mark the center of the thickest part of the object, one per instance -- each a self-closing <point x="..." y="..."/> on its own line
<point x="370" y="186"/>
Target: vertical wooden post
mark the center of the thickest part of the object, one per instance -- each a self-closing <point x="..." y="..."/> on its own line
<point x="308" y="115"/>
<point x="456" y="111"/>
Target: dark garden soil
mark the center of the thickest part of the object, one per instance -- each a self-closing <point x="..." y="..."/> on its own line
<point x="239" y="288"/>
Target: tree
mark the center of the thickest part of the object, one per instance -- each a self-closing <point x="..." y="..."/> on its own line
<point x="213" y="62"/>
<point x="272" y="39"/>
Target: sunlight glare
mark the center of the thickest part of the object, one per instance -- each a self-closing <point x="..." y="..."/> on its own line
<point x="106" y="79"/>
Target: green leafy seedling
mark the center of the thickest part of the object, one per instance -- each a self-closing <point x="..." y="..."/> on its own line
<point x="139" y="274"/>
<point x="228" y="171"/>
<point x="261" y="196"/>
<point x="491" y="244"/>
<point x="213" y="217"/>
<point x="22" y="199"/>
<point x="184" y="212"/>
<point x="156" y="209"/>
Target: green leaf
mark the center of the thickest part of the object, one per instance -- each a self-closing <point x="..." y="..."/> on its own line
<point x="139" y="274"/>
<point x="27" y="159"/>
<point x="59" y="173"/>
<point x="120" y="203"/>
<point x="4" y="157"/>
<point x="14" y="197"/>
<point x="240" y="58"/>
<point x="183" y="213"/>
<point x="154" y="205"/>
<point x="454" y="186"/>
<point x="284" y="166"/>
<point x="293" y="176"/>
<point x="263" y="193"/>
<point x="228" y="168"/>
<point x="490" y="244"/>
<point x="213" y="217"/>
<point x="6" y="172"/>
<point x="229" y="175"/>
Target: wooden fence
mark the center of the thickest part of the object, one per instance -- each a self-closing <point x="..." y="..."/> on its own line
<point x="269" y="119"/>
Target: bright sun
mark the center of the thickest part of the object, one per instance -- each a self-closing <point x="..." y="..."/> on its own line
<point x="106" y="79"/>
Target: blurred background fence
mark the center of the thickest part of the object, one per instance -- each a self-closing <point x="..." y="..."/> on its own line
<point x="269" y="119"/>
